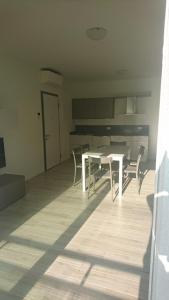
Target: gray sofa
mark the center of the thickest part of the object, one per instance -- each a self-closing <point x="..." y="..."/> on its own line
<point x="12" y="188"/>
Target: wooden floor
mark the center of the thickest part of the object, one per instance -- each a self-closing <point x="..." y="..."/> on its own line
<point x="57" y="244"/>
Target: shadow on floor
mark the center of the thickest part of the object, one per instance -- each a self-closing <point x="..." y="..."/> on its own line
<point x="146" y="261"/>
<point x="33" y="275"/>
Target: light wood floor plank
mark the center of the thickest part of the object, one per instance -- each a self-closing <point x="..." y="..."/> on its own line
<point x="57" y="244"/>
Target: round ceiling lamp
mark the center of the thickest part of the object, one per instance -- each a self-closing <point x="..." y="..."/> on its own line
<point x="96" y="33"/>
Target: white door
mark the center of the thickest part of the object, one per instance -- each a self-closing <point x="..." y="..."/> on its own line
<point x="51" y="130"/>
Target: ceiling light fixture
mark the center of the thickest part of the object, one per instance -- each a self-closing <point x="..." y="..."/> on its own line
<point x="96" y="33"/>
<point x="121" y="73"/>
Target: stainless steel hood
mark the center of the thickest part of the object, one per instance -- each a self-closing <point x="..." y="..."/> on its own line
<point x="131" y="105"/>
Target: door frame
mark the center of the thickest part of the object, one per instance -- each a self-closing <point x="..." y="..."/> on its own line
<point x="158" y="278"/>
<point x="43" y="126"/>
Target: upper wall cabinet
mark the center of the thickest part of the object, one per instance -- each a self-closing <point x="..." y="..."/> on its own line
<point x="93" y="108"/>
<point x="131" y="105"/>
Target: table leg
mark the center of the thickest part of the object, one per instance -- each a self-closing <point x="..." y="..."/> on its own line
<point x="83" y="174"/>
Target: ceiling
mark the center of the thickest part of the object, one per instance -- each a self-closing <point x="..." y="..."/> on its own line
<point x="51" y="33"/>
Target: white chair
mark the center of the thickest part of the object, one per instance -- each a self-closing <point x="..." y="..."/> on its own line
<point x="104" y="170"/>
<point x="77" y="158"/>
<point x="134" y="167"/>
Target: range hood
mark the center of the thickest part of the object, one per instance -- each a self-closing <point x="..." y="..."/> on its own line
<point x="131" y="105"/>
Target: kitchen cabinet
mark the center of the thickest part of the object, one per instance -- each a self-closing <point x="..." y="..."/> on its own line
<point x="100" y="141"/>
<point x="93" y="108"/>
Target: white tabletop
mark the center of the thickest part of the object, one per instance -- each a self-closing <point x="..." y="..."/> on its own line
<point x="116" y="152"/>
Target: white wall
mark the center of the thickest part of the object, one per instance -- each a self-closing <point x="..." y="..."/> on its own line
<point x="149" y="105"/>
<point x="19" y="124"/>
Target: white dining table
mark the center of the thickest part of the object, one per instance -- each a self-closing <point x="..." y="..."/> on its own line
<point x="116" y="152"/>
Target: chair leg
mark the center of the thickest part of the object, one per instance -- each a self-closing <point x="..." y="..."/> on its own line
<point x="89" y="185"/>
<point x="138" y="182"/>
<point x="111" y="183"/>
<point x="94" y="181"/>
<point x="114" y="191"/>
<point x="74" y="179"/>
<point x="88" y="191"/>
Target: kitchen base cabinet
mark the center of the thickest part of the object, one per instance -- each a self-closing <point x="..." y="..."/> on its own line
<point x="77" y="140"/>
<point x="133" y="142"/>
<point x="100" y="140"/>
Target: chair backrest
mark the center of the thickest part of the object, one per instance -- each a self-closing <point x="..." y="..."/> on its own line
<point x="85" y="148"/>
<point x="91" y="161"/>
<point x="138" y="163"/>
<point x="77" y="155"/>
<point x="105" y="160"/>
<point x="140" y="155"/>
<point x="141" y="150"/>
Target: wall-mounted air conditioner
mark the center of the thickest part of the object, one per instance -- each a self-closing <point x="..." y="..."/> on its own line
<point x="51" y="77"/>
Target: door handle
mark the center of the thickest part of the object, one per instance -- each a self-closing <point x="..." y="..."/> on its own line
<point x="47" y="136"/>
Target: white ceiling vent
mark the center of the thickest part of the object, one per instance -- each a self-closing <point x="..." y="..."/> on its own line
<point x="51" y="77"/>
